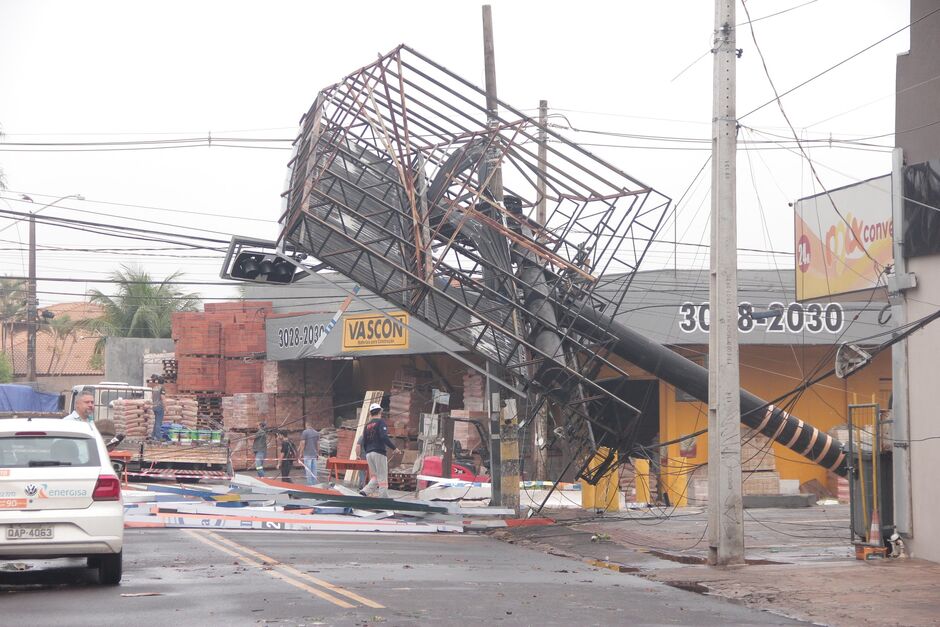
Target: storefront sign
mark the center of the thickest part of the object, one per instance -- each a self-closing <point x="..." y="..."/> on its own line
<point x="843" y="239"/>
<point x="776" y="318"/>
<point x="371" y="331"/>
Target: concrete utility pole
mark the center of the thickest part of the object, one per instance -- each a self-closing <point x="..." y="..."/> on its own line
<point x="31" y="305"/>
<point x="899" y="281"/>
<point x="32" y="313"/>
<point x="508" y="475"/>
<point x="725" y="506"/>
<point x="540" y="433"/>
<point x="492" y="106"/>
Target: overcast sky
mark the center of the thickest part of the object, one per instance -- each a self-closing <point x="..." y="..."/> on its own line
<point x="132" y="71"/>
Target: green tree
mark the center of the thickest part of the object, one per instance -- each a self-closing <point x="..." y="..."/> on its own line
<point x="63" y="331"/>
<point x="140" y="306"/>
<point x="12" y="308"/>
<point x="12" y="299"/>
<point x="6" y="368"/>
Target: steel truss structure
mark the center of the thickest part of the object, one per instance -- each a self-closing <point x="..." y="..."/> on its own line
<point x="391" y="185"/>
<point x="403" y="181"/>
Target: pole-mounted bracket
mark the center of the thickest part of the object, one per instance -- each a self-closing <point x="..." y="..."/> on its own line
<point x="849" y="358"/>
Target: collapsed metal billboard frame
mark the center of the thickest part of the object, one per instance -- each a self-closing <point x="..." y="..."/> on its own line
<point x="391" y="184"/>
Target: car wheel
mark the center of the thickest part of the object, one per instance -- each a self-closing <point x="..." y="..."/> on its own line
<point x="110" y="569"/>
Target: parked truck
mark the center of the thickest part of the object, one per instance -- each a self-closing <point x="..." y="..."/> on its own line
<point x="187" y="459"/>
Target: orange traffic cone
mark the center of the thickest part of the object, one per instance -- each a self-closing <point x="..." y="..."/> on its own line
<point x="874" y="533"/>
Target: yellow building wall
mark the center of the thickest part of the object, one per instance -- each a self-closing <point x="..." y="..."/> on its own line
<point x="769" y="372"/>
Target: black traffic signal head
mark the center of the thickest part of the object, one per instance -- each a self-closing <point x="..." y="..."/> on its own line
<point x="263" y="267"/>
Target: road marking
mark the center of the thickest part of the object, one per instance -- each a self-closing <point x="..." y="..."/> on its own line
<point x="297" y="573"/>
<point x="274" y="573"/>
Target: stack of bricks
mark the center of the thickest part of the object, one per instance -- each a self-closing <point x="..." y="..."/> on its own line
<point x="243" y="412"/>
<point x="303" y="390"/>
<point x="758" y="464"/>
<point x="410" y="395"/>
<point x="318" y="393"/>
<point x="243" y="349"/>
<point x="345" y="438"/>
<point x="198" y="351"/>
<point x="221" y="349"/>
<point x="628" y="482"/>
<point x="474" y="390"/>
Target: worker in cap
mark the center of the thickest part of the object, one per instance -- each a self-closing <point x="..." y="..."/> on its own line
<point x="375" y="444"/>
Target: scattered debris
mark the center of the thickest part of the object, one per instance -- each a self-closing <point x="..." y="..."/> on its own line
<point x="141" y="594"/>
<point x="266" y="504"/>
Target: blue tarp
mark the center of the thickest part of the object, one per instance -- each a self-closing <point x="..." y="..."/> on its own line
<point x="24" y="398"/>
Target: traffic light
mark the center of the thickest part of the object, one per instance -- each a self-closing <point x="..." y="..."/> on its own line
<point x="262" y="261"/>
<point x="264" y="267"/>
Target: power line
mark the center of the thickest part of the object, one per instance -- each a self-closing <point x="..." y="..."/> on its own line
<point x="812" y="167"/>
<point x="57" y="221"/>
<point x="111" y="215"/>
<point x="777" y="97"/>
<point x="151" y="207"/>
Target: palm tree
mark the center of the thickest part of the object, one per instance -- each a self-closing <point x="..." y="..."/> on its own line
<point x="140" y="307"/>
<point x="12" y="298"/>
<point x="12" y="307"/>
<point x="62" y="330"/>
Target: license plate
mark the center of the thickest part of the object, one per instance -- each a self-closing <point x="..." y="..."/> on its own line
<point x="30" y="532"/>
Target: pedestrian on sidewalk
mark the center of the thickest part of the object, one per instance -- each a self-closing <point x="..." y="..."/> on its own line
<point x="260" y="447"/>
<point x="309" y="451"/>
<point x="374" y="443"/>
<point x="286" y="455"/>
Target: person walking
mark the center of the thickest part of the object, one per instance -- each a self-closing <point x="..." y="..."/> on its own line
<point x="374" y="443"/>
<point x="260" y="447"/>
<point x="287" y="453"/>
<point x="158" y="407"/>
<point x="309" y="451"/>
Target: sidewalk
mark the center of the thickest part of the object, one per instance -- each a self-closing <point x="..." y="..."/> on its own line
<point x="800" y="562"/>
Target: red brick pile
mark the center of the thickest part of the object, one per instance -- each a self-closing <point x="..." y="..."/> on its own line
<point x="221" y="350"/>
<point x="245" y="411"/>
<point x="345" y="438"/>
<point x="410" y="395"/>
<point x="474" y="391"/>
<point x="303" y="390"/>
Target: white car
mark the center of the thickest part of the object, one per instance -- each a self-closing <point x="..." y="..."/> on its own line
<point x="59" y="495"/>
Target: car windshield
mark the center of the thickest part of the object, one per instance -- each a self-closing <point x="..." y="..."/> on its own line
<point x="47" y="450"/>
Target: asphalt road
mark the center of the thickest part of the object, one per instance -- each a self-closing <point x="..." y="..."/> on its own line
<point x="203" y="577"/>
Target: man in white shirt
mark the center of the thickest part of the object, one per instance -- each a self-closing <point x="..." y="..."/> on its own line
<point x="84" y="407"/>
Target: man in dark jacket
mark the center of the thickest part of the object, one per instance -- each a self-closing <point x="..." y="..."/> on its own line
<point x="374" y="443"/>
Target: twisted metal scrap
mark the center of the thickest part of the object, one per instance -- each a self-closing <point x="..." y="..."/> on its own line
<point x="392" y="185"/>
